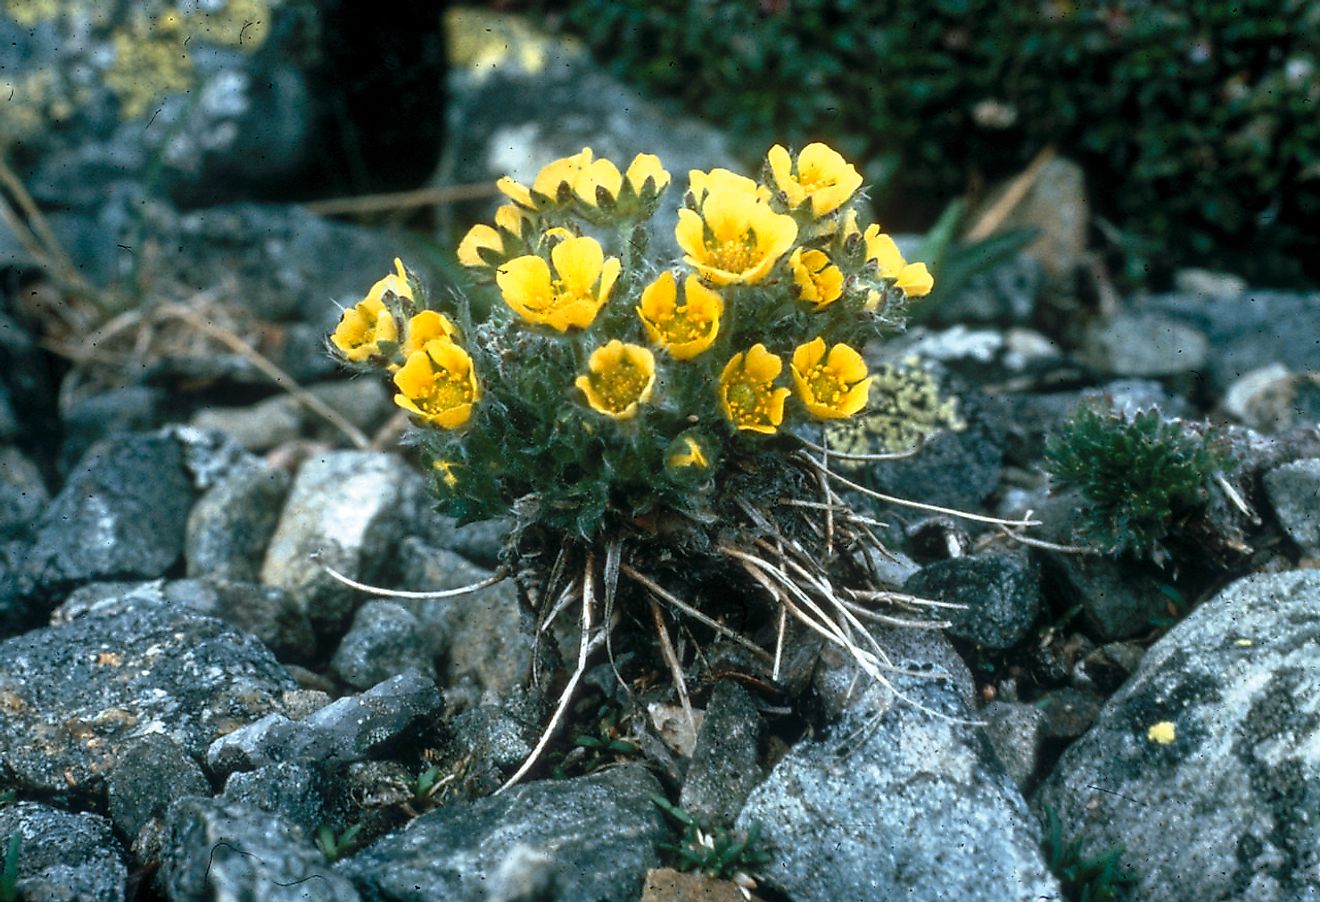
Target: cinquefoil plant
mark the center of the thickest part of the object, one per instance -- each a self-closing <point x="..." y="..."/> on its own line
<point x="627" y="410"/>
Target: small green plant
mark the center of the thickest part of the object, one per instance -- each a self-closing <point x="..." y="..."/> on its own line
<point x="724" y="854"/>
<point x="1144" y="478"/>
<point x="335" y="845"/>
<point x="9" y="870"/>
<point x="592" y="751"/>
<point x="1095" y="879"/>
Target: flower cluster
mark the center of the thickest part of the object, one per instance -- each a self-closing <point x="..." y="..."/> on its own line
<point x="608" y="384"/>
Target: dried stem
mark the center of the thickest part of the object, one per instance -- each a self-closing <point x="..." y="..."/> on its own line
<point x="498" y="576"/>
<point x="586" y="645"/>
<point x="890" y="499"/>
<point x="845" y="455"/>
<point x="651" y="585"/>
<point x="268" y="367"/>
<point x="667" y="651"/>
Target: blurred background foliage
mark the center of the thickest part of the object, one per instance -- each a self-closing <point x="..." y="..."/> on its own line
<point x="1197" y="122"/>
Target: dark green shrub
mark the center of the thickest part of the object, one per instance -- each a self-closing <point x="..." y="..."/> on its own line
<point x="1196" y="120"/>
<point x="1143" y="478"/>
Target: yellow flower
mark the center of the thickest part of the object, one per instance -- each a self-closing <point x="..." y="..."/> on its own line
<point x="621" y="378"/>
<point x="516" y="192"/>
<point x="831" y="386"/>
<point x="438" y="384"/>
<point x="683" y="331"/>
<point x="645" y="168"/>
<point x="686" y="452"/>
<point x="573" y="171"/>
<point x="818" y="280"/>
<point x="446" y="470"/>
<point x="427" y="326"/>
<point x="509" y="221"/>
<point x="823" y="177"/>
<point x="734" y="238"/>
<point x="572" y="297"/>
<point x="913" y="279"/>
<point x="701" y="184"/>
<point x="362" y="328"/>
<point x="599" y="175"/>
<point x="747" y="392"/>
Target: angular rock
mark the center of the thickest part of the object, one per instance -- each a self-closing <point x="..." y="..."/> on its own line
<point x="1001" y="592"/>
<point x="23" y="492"/>
<point x="1068" y="712"/>
<point x="150" y="773"/>
<point x="385" y="639"/>
<point x="347" y="729"/>
<point x="898" y="802"/>
<point x="1250" y="330"/>
<point x="587" y="838"/>
<point x="133" y="408"/>
<point x="121" y="515"/>
<point x="1015" y="733"/>
<point x="75" y="696"/>
<point x="295" y="792"/>
<point x="1146" y="345"/>
<point x="725" y="764"/>
<point x="1294" y="493"/>
<point x="231" y="524"/>
<point x="1205" y="765"/>
<point x="485" y="638"/>
<point x="63" y="855"/>
<point x="215" y="848"/>
<point x="348" y="507"/>
<point x="258" y="427"/>
<point x="480" y="542"/>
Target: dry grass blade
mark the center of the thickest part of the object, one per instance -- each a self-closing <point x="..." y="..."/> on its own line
<point x="846" y="455"/>
<point x="904" y="502"/>
<point x="669" y="598"/>
<point x="497" y="577"/>
<point x="401" y="200"/>
<point x="268" y="368"/>
<point x="671" y="659"/>
<point x="586" y="645"/>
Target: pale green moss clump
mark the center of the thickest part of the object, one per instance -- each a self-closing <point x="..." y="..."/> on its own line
<point x="905" y="409"/>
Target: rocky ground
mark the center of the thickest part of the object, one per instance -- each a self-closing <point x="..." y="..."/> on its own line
<point x="190" y="707"/>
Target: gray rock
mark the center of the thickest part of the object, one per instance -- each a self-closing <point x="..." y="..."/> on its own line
<point x="484" y="639"/>
<point x="349" y="507"/>
<point x="75" y="695"/>
<point x="27" y="389"/>
<point x="150" y="772"/>
<point x="497" y="738"/>
<point x="1217" y="800"/>
<point x="1250" y="330"/>
<point x="295" y="792"/>
<point x="1119" y="598"/>
<point x="1005" y="295"/>
<point x="480" y="542"/>
<point x="133" y="408"/>
<point x="385" y="639"/>
<point x="1001" y="592"/>
<point x="365" y="402"/>
<point x="23" y="492"/>
<point x="896" y="800"/>
<point x="258" y="427"/>
<point x="1294" y="493"/>
<point x="347" y="729"/>
<point x="1056" y="205"/>
<point x="1068" y="711"/>
<point x="586" y="838"/>
<point x="725" y="764"/>
<point x="1108" y="667"/>
<point x="226" y="850"/>
<point x="1144" y="344"/>
<point x="231" y="524"/>
<point x="1015" y="731"/>
<point x="121" y="515"/>
<point x="954" y="469"/>
<point x="63" y="855"/>
<point x="266" y="612"/>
